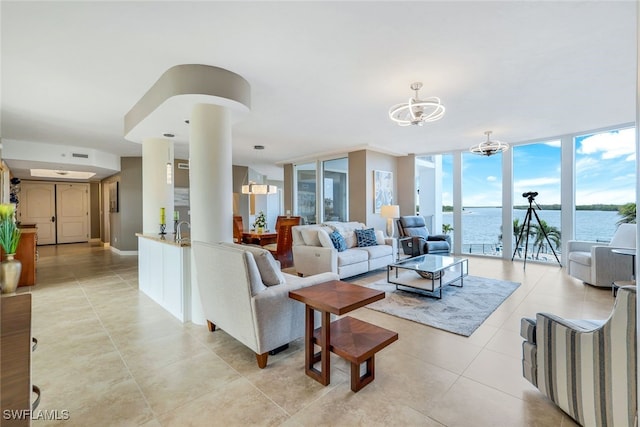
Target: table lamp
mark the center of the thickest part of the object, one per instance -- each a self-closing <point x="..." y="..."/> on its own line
<point x="390" y="212"/>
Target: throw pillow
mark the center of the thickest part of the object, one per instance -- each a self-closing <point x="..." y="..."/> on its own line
<point x="366" y="237"/>
<point x="380" y="237"/>
<point x="350" y="238"/>
<point x="310" y="236"/>
<point x="268" y="267"/>
<point x="325" y="241"/>
<point x="338" y="241"/>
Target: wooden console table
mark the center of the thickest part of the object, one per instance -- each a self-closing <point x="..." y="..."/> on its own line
<point x="15" y="359"/>
<point x="26" y="253"/>
<point x="349" y="338"/>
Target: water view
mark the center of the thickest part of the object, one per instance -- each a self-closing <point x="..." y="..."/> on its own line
<point x="482" y="229"/>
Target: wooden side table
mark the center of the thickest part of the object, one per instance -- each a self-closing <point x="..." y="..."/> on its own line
<point x="349" y="338"/>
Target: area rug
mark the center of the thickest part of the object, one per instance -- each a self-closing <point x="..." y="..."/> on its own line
<point x="461" y="310"/>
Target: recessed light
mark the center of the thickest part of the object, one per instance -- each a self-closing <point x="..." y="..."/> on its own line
<point x="258" y="147"/>
<point x="168" y="135"/>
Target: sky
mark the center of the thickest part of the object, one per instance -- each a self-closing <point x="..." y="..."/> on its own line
<point x="605" y="172"/>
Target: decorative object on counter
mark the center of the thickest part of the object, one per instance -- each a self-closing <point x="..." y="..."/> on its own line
<point x="163" y="221"/>
<point x="176" y="219"/>
<point x="260" y="224"/>
<point x="14" y="189"/>
<point x="9" y="239"/>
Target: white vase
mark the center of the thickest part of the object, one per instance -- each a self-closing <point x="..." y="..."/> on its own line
<point x="10" y="269"/>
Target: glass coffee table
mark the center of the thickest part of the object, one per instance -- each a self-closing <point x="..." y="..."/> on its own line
<point x="428" y="273"/>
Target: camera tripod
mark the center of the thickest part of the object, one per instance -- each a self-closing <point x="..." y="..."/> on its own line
<point x="526" y="224"/>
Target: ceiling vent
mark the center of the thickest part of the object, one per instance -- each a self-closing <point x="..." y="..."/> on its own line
<point x="183" y="165"/>
<point x="80" y="155"/>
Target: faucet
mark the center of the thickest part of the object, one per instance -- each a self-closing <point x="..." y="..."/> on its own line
<point x="179" y="232"/>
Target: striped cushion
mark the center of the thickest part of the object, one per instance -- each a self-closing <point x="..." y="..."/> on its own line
<point x="528" y="329"/>
<point x="588" y="368"/>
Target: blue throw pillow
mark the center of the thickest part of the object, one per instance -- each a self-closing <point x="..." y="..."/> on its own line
<point x="366" y="237"/>
<point x="338" y="241"/>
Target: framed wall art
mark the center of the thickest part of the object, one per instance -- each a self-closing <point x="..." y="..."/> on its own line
<point x="383" y="189"/>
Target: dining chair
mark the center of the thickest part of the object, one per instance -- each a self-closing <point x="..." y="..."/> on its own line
<point x="237" y="229"/>
<point x="281" y="250"/>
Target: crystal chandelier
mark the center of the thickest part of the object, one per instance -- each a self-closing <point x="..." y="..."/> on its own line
<point x="489" y="148"/>
<point x="417" y="111"/>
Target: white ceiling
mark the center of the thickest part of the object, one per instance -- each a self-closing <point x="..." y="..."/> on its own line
<point x="323" y="74"/>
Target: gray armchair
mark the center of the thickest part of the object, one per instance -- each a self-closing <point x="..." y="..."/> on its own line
<point x="416" y="240"/>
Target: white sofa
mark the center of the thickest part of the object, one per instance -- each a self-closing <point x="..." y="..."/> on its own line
<point x="314" y="253"/>
<point x="244" y="293"/>
<point x="595" y="263"/>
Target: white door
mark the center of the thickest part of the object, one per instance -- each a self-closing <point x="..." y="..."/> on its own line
<point x="38" y="206"/>
<point x="73" y="212"/>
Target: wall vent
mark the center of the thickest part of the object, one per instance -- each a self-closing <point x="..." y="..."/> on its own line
<point x="183" y="165"/>
<point x="80" y="155"/>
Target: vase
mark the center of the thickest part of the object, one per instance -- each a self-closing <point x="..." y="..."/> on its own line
<point x="260" y="230"/>
<point x="10" y="269"/>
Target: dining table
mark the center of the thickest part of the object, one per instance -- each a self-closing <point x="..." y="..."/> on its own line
<point x="263" y="238"/>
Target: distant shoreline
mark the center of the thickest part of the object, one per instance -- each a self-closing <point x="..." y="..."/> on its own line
<point x="555" y="207"/>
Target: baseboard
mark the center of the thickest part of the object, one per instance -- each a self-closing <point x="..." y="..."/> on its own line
<point x="119" y="252"/>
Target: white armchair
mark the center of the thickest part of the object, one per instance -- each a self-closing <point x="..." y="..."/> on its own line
<point x="244" y="293"/>
<point x="595" y="263"/>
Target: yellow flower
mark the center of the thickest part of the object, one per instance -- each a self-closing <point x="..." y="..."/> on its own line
<point x="9" y="232"/>
<point x="6" y="211"/>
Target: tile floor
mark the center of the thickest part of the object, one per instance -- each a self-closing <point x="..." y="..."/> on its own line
<point x="111" y="356"/>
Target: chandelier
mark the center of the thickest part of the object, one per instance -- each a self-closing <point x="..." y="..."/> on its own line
<point x="417" y="111"/>
<point x="254" y="188"/>
<point x="489" y="148"/>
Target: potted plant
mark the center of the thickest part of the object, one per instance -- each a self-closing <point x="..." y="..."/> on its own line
<point x="260" y="224"/>
<point x="9" y="239"/>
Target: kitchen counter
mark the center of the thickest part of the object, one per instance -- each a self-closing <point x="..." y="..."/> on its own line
<point x="168" y="238"/>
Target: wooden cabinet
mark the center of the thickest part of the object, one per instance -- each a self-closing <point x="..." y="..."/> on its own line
<point x="26" y="253"/>
<point x="15" y="359"/>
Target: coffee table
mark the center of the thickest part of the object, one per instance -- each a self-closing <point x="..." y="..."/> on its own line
<point x="349" y="338"/>
<point x="428" y="273"/>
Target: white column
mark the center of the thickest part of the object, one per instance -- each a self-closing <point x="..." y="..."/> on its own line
<point x="210" y="185"/>
<point x="156" y="192"/>
<point x="210" y="174"/>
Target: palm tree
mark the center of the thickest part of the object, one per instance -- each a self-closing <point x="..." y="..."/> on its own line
<point x="517" y="229"/>
<point x="628" y="213"/>
<point x="539" y="240"/>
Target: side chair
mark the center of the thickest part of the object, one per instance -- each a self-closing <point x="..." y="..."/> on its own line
<point x="282" y="249"/>
<point x="586" y="367"/>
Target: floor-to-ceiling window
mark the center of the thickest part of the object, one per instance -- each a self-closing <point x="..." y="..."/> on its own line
<point x="481" y="204"/>
<point x="321" y="190"/>
<point x="447" y="195"/>
<point x="605" y="171"/>
<point x="335" y="188"/>
<point x="536" y="185"/>
<point x="603" y="193"/>
<point x="306" y="192"/>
